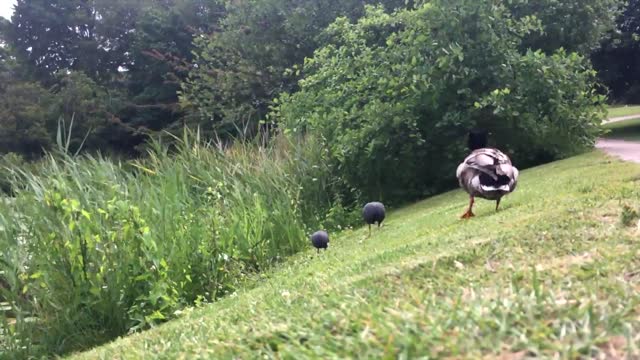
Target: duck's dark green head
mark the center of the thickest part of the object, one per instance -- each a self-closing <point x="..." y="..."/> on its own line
<point x="478" y="139"/>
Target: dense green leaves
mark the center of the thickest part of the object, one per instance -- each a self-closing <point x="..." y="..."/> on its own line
<point x="618" y="58"/>
<point x="93" y="249"/>
<point x="91" y="107"/>
<point x="575" y="25"/>
<point x="240" y="70"/>
<point x="393" y="95"/>
<point x="550" y="108"/>
<point x="219" y="65"/>
<point x="25" y="118"/>
<point x="81" y="35"/>
<point x="162" y="51"/>
<point x="136" y="51"/>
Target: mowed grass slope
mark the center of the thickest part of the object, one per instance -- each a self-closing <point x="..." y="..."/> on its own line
<point x="624" y="110"/>
<point x="553" y="272"/>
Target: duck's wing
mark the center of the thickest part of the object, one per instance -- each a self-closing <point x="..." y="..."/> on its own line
<point x="485" y="160"/>
<point x="492" y="162"/>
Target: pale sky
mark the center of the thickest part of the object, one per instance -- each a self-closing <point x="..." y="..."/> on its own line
<point x="6" y="8"/>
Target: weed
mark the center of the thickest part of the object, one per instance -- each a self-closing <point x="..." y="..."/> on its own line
<point x="94" y="249"/>
<point x="629" y="215"/>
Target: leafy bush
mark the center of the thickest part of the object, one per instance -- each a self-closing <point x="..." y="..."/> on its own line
<point x="93" y="248"/>
<point x="549" y="110"/>
<point x="29" y="113"/>
<point x="392" y="96"/>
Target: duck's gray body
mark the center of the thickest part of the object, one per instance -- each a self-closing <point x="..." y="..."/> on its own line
<point x="487" y="173"/>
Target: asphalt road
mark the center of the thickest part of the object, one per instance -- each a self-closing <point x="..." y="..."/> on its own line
<point x="626" y="150"/>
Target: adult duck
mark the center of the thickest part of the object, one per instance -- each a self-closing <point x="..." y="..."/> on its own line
<point x="486" y="172"/>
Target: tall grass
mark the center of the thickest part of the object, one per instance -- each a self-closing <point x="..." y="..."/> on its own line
<point x="93" y="249"/>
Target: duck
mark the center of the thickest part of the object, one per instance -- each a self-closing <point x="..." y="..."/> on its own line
<point x="486" y="172"/>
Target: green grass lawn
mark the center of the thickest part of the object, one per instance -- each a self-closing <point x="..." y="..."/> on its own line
<point x="624" y="110"/>
<point x="624" y="130"/>
<point x="553" y="272"/>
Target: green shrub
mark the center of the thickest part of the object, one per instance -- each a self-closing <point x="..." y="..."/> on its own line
<point x="93" y="249"/>
<point x="392" y="96"/>
<point x="549" y="110"/>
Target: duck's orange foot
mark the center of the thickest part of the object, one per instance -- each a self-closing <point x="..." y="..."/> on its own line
<point x="467" y="215"/>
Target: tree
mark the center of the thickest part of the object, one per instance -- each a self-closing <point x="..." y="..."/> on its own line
<point x="392" y="96"/>
<point x="575" y="25"/>
<point x="24" y="106"/>
<point x="629" y="21"/>
<point x="24" y="119"/>
<point x="161" y="51"/>
<point x="79" y="35"/>
<point x="133" y="52"/>
<point x="618" y="58"/>
<point x="91" y="107"/>
<point x="5" y="55"/>
<point x="239" y="71"/>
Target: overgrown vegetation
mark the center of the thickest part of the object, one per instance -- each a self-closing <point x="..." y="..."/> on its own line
<point x="552" y="275"/>
<point x="128" y="57"/>
<point x="392" y="95"/>
<point x="93" y="249"/>
<point x="574" y="25"/>
<point x="148" y="66"/>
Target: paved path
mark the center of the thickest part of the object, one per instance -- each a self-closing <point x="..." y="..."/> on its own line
<point x="626" y="150"/>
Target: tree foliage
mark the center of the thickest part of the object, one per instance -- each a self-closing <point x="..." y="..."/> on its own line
<point x="24" y="105"/>
<point x="25" y="118"/>
<point x="136" y="51"/>
<point x="162" y="50"/>
<point x="393" y="95"/>
<point x="618" y="58"/>
<point x="238" y="72"/>
<point x="158" y="65"/>
<point x="80" y="35"/>
<point x="91" y="107"/>
<point x="575" y="25"/>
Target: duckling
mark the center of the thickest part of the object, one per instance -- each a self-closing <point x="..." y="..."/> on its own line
<point x="486" y="172"/>
<point x="373" y="212"/>
<point x="320" y="240"/>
